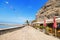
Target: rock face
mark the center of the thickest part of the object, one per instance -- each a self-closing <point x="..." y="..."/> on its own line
<point x="51" y="9"/>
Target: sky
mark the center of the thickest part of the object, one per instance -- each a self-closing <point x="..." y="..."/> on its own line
<point x="18" y="11"/>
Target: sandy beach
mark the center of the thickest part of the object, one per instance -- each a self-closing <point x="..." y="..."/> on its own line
<point x="26" y="33"/>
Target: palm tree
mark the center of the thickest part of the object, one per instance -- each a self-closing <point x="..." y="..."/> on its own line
<point x="27" y="22"/>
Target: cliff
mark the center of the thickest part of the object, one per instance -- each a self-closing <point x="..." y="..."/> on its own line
<point x="51" y="9"/>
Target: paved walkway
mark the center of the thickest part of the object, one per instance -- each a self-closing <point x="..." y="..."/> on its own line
<point x="26" y="33"/>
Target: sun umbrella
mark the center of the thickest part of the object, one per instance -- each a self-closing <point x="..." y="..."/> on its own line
<point x="44" y="23"/>
<point x="54" y="23"/>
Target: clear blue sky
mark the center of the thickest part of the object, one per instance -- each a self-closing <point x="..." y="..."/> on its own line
<point x="18" y="11"/>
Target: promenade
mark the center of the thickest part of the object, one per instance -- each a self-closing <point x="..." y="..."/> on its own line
<point x="26" y="33"/>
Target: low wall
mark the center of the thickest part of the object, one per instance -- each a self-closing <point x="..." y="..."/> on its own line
<point x="4" y="31"/>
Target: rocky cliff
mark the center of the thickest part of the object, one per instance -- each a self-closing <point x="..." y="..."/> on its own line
<point x="51" y="9"/>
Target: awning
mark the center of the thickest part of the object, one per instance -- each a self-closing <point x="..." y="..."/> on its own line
<point x="48" y="21"/>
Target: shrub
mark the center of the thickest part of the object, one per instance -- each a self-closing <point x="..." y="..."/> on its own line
<point x="41" y="27"/>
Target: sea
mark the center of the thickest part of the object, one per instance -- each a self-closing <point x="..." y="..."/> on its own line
<point x="2" y="26"/>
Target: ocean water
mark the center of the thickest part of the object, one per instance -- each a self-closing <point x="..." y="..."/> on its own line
<point x="2" y="26"/>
